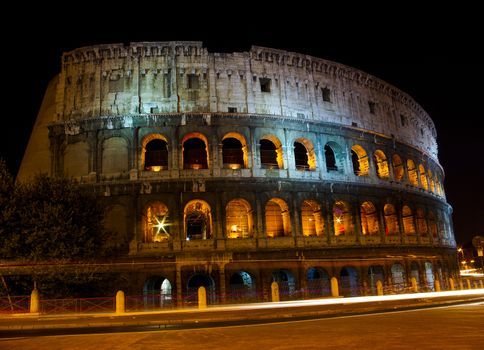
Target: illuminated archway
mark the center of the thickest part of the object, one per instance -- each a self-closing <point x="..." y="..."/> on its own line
<point x="359" y="158"/>
<point x="278" y="222"/>
<point x="408" y="222"/>
<point x="238" y="216"/>
<point x="198" y="220"/>
<point x="311" y="218"/>
<point x="157" y="292"/>
<point x="398" y="170"/>
<point x="234" y="151"/>
<point x="304" y="154"/>
<point x="412" y="173"/>
<point x="342" y="218"/>
<point x="423" y="177"/>
<point x="195" y="151"/>
<point x="391" y="220"/>
<point x="154" y="152"/>
<point x="369" y="219"/>
<point x="271" y="156"/>
<point x="381" y="164"/>
<point x="156" y="223"/>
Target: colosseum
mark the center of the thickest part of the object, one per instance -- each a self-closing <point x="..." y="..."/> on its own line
<point x="234" y="170"/>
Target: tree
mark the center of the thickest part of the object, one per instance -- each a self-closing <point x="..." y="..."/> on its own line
<point x="55" y="224"/>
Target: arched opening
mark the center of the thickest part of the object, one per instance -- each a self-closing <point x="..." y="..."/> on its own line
<point x="278" y="222"/>
<point x="429" y="274"/>
<point x="342" y="218"/>
<point x="287" y="283"/>
<point x="271" y="153"/>
<point x="304" y="155"/>
<point x="369" y="219"/>
<point x="423" y="177"/>
<point x="156" y="155"/>
<point x="311" y="218"/>
<point x="359" y="158"/>
<point x="398" y="170"/>
<point x="412" y="173"/>
<point x="198" y="220"/>
<point x="375" y="274"/>
<point x="300" y="156"/>
<point x="334" y="156"/>
<point x="196" y="281"/>
<point x="421" y="222"/>
<point x="156" y="223"/>
<point x="242" y="287"/>
<point x="398" y="277"/>
<point x="154" y="152"/>
<point x="239" y="219"/>
<point x="432" y="224"/>
<point x="234" y="151"/>
<point x="381" y="164"/>
<point x="349" y="282"/>
<point x="408" y="222"/>
<point x="318" y="283"/>
<point x="195" y="153"/>
<point x="391" y="220"/>
<point x="157" y="292"/>
<point x="415" y="272"/>
<point x="330" y="159"/>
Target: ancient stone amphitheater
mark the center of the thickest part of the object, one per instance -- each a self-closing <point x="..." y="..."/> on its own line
<point x="234" y="170"/>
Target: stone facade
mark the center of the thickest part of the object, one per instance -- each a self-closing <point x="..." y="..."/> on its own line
<point x="234" y="170"/>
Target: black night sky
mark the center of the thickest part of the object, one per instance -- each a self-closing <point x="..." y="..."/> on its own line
<point x="433" y="56"/>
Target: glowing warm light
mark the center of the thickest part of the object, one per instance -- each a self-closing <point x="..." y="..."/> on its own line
<point x="234" y="166"/>
<point x="156" y="168"/>
<point x="471" y="272"/>
<point x="233" y="228"/>
<point x="338" y="220"/>
<point x="459" y="250"/>
<point x="353" y="300"/>
<point x="160" y="225"/>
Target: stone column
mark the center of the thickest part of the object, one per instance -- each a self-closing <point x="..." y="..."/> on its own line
<point x="202" y="298"/>
<point x="178" y="281"/>
<point x="275" y="292"/>
<point x="34" y="301"/>
<point x="120" y="302"/>
<point x="334" y="287"/>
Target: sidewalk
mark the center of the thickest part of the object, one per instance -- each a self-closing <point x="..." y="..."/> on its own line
<point x="236" y="314"/>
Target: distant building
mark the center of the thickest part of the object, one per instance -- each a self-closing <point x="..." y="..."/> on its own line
<point x="233" y="170"/>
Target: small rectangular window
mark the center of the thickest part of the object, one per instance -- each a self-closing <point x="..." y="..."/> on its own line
<point x="354" y="124"/>
<point x="372" y="106"/>
<point x="403" y="120"/>
<point x="326" y="93"/>
<point x="232" y="110"/>
<point x="193" y="82"/>
<point x="265" y="84"/>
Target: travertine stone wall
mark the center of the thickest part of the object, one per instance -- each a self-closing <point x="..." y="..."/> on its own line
<point x="162" y="77"/>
